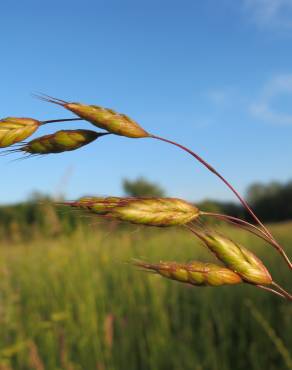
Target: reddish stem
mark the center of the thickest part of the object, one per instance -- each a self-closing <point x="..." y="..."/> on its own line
<point x="246" y="228"/>
<point x="235" y="220"/>
<point x="241" y="199"/>
<point x="270" y="290"/>
<point x="283" y="291"/>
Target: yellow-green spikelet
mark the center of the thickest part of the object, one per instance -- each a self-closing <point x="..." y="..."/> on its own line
<point x="60" y="141"/>
<point x="143" y="211"/>
<point x="194" y="273"/>
<point x="108" y="119"/>
<point x="155" y="211"/>
<point x="236" y="257"/>
<point x="98" y="205"/>
<point x="14" y="130"/>
<point x="105" y="118"/>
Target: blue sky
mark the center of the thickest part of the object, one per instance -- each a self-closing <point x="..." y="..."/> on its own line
<point x="217" y="78"/>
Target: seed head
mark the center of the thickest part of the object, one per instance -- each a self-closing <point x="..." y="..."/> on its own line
<point x="144" y="211"/>
<point x="97" y="205"/>
<point x="156" y="211"/>
<point x="14" y="130"/>
<point x="236" y="257"/>
<point x="195" y="273"/>
<point x="104" y="118"/>
<point x="60" y="141"/>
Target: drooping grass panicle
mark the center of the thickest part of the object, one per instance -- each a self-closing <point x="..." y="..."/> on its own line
<point x="194" y="273"/>
<point x="123" y="125"/>
<point x="105" y="118"/>
<point x="241" y="265"/>
<point x="245" y="204"/>
<point x="60" y="141"/>
<point x="144" y="211"/>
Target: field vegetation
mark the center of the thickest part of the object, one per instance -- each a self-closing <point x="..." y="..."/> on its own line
<point x="74" y="302"/>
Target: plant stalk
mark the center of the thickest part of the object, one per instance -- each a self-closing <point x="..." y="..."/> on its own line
<point x="240" y="198"/>
<point x="234" y="220"/>
<point x="61" y="120"/>
<point x="270" y="290"/>
<point x="283" y="291"/>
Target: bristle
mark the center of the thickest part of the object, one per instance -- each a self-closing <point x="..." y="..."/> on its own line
<point x="9" y="151"/>
<point x="50" y="99"/>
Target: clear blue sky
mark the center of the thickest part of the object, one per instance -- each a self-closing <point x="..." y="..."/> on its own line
<point x="215" y="76"/>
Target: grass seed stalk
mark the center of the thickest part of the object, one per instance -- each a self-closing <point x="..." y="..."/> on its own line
<point x="148" y="211"/>
<point x="194" y="273"/>
<point x="160" y="212"/>
<point x="15" y="129"/>
<point x="59" y="142"/>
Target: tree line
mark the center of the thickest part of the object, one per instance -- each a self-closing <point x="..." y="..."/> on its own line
<point x="39" y="215"/>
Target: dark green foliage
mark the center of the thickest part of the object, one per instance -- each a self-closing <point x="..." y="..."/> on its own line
<point x="228" y="208"/>
<point x="82" y="307"/>
<point x="142" y="188"/>
<point x="273" y="201"/>
<point x="38" y="216"/>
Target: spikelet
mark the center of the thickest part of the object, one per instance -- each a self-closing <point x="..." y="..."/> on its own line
<point x="60" y="141"/>
<point x="195" y="273"/>
<point x="236" y="257"/>
<point x="97" y="205"/>
<point x="144" y="211"/>
<point x="14" y="130"/>
<point x="104" y="118"/>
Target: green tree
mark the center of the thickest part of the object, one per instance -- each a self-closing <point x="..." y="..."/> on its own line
<point x="142" y="188"/>
<point x="272" y="201"/>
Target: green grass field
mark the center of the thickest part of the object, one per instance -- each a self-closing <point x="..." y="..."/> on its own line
<point x="74" y="303"/>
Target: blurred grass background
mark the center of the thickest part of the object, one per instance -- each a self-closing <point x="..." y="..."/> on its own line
<point x="73" y="302"/>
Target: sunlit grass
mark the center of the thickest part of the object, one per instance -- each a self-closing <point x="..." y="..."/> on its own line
<point x="75" y="303"/>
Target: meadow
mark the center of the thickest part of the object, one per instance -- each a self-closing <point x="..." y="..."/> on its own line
<point x="74" y="302"/>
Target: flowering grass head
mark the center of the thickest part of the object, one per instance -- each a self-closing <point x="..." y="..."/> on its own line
<point x="144" y="211"/>
<point x="236" y="257"/>
<point x="194" y="273"/>
<point x="14" y="129"/>
<point x="59" y="142"/>
<point x="104" y="118"/>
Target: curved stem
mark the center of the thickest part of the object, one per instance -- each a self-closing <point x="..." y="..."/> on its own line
<point x="246" y="228"/>
<point x="270" y="290"/>
<point x="240" y="198"/>
<point x="235" y="220"/>
<point x="283" y="291"/>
